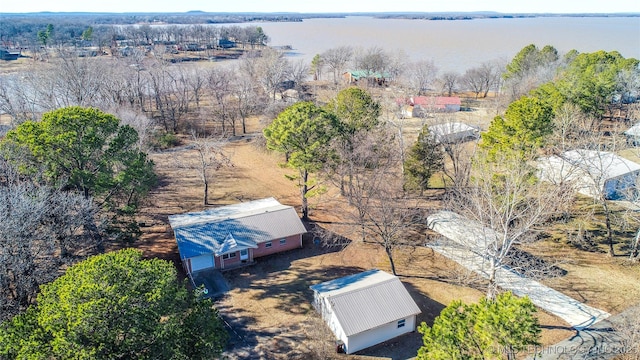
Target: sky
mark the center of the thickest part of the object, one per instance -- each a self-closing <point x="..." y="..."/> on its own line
<point x="323" y="6"/>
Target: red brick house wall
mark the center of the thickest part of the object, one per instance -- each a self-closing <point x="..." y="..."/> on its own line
<point x="291" y="242"/>
<point x="229" y="261"/>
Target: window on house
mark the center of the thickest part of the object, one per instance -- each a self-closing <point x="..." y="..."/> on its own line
<point x="401" y="323"/>
<point x="226" y="256"/>
<point x="267" y="244"/>
<point x="283" y="241"/>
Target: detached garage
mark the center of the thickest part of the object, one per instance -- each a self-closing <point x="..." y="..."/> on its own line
<point x="365" y="309"/>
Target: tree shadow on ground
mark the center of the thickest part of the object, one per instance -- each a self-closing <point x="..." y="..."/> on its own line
<point x="292" y="287"/>
<point x="556" y="327"/>
<point x="254" y="343"/>
<point x="272" y="278"/>
<point x="289" y="288"/>
<point x="531" y="266"/>
<point x="295" y="296"/>
<point x="439" y="269"/>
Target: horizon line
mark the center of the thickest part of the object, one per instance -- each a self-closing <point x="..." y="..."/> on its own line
<point x="324" y="13"/>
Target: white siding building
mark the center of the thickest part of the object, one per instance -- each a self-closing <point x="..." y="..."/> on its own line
<point x="365" y="309"/>
<point x="593" y="173"/>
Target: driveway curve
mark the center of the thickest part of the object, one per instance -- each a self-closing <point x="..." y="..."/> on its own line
<point x="459" y="236"/>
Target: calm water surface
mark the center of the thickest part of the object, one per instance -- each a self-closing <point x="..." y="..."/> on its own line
<point x="461" y="44"/>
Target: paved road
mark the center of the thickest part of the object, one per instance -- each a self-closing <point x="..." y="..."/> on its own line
<point x="463" y="234"/>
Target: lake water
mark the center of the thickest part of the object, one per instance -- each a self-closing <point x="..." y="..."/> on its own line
<point x="461" y="44"/>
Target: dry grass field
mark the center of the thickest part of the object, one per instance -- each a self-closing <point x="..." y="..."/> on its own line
<point x="269" y="306"/>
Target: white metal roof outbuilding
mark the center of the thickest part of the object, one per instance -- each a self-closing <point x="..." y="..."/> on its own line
<point x="593" y="173"/>
<point x="365" y="309"/>
<point x="454" y="132"/>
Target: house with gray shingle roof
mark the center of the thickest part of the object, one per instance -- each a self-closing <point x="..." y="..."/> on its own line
<point x="233" y="235"/>
<point x="365" y="309"/>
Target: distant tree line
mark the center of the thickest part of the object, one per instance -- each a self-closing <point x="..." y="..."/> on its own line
<point x="191" y="17"/>
<point x="31" y="35"/>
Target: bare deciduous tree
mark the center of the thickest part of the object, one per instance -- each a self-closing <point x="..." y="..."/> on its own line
<point x="459" y="152"/>
<point x="374" y="62"/>
<point x="271" y="70"/>
<point x="219" y="83"/>
<point x="337" y="60"/>
<point x="383" y="212"/>
<point x="41" y="229"/>
<point x="79" y="80"/>
<point x="391" y="218"/>
<point x="422" y="75"/>
<point x="16" y="99"/>
<point x="210" y="156"/>
<point x="139" y="121"/>
<point x="589" y="164"/>
<point x="298" y="72"/>
<point x="247" y="98"/>
<point x="171" y="94"/>
<point x="490" y="74"/>
<point x="196" y="80"/>
<point x="474" y="81"/>
<point x="449" y="82"/>
<point x="504" y="198"/>
<point x="570" y="127"/>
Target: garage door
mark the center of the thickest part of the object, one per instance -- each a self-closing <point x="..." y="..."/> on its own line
<point x="201" y="262"/>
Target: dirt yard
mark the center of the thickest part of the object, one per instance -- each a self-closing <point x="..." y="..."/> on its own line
<point x="269" y="307"/>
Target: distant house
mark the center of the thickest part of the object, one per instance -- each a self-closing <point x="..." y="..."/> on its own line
<point x="593" y="173"/>
<point x="8" y="55"/>
<point x="373" y="77"/>
<point x="454" y="132"/>
<point x="365" y="309"/>
<point x="420" y="105"/>
<point x="233" y="235"/>
<point x="226" y="44"/>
